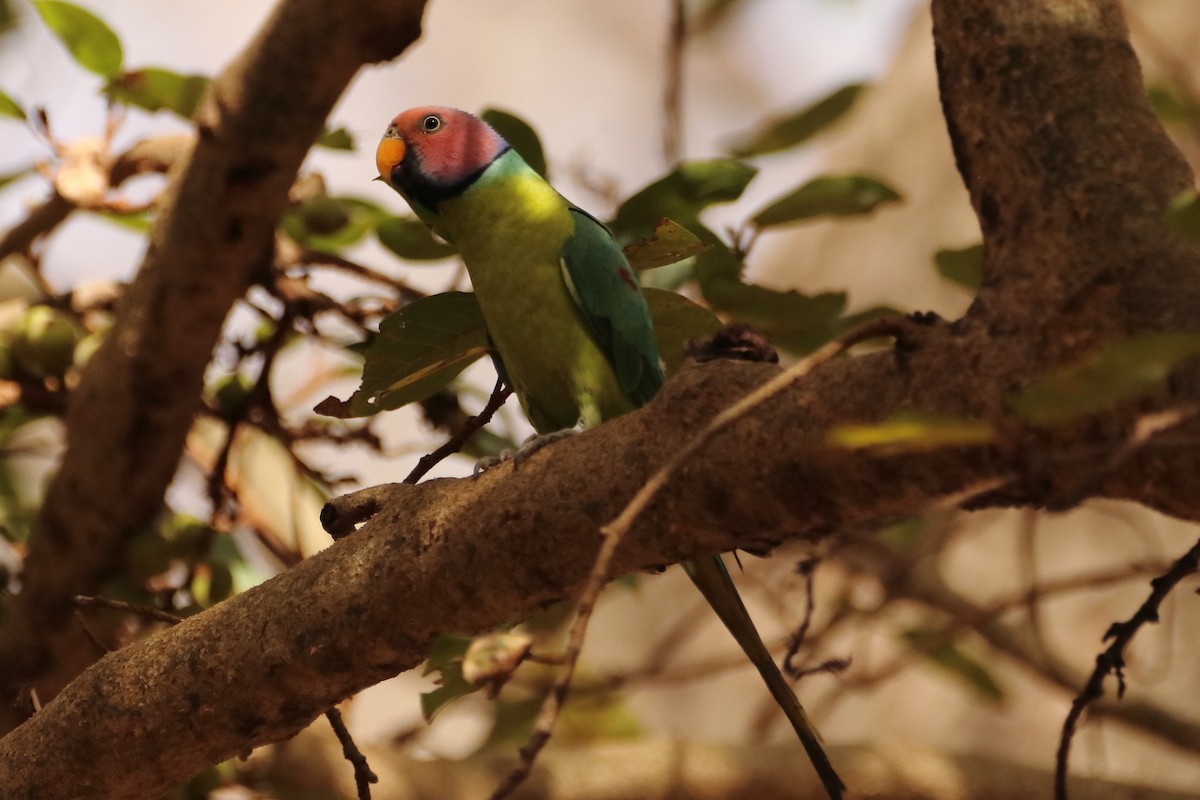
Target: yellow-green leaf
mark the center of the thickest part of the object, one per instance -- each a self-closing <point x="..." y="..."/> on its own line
<point x="91" y="42"/>
<point x="828" y="196"/>
<point x="10" y="107"/>
<point x="419" y="349"/>
<point x="800" y="126"/>
<point x="964" y="267"/>
<point x="908" y="431"/>
<point x="676" y="321"/>
<point x="154" y="89"/>
<point x="337" y="139"/>
<point x="1121" y="372"/>
<point x="329" y="224"/>
<point x="670" y="243"/>
<point x="1183" y="215"/>
<point x="411" y="239"/>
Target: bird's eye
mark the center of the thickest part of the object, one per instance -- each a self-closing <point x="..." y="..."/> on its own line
<point x="431" y="123"/>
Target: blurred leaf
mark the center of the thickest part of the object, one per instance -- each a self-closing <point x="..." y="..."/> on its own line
<point x="330" y="224"/>
<point x="1183" y="215"/>
<point x="452" y="686"/>
<point x="593" y="715"/>
<point x="909" y="431"/>
<point x="446" y="658"/>
<point x="951" y="658"/>
<point x="11" y="108"/>
<point x="670" y="244"/>
<point x="837" y="196"/>
<point x="796" y="322"/>
<point x="520" y="134"/>
<point x="92" y="43"/>
<point x="681" y="195"/>
<point x="1172" y="107"/>
<point x="446" y="649"/>
<point x="411" y="239"/>
<point x="1118" y="373"/>
<point x="964" y="267"/>
<point x="676" y="321"/>
<point x="337" y="139"/>
<point x="790" y="131"/>
<point x="13" y="177"/>
<point x="419" y="350"/>
<point x="851" y="321"/>
<point x="136" y="221"/>
<point x="513" y="721"/>
<point x="154" y="89"/>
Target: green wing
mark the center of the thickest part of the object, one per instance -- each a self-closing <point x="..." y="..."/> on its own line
<point x="607" y="294"/>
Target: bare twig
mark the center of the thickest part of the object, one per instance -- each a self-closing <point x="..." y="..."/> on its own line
<point x="805" y="568"/>
<point x="673" y="93"/>
<point x="84" y="601"/>
<point x="1112" y="660"/>
<point x="469" y="428"/>
<point x="363" y="776"/>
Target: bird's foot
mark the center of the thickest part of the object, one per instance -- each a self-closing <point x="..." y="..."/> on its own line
<point x="528" y="447"/>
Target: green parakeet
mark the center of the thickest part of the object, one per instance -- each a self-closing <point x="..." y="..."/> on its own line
<point x="563" y="309"/>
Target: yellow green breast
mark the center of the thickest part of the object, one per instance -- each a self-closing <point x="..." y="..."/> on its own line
<point x="510" y="227"/>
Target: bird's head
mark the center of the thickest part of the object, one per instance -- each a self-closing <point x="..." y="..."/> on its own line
<point x="433" y="152"/>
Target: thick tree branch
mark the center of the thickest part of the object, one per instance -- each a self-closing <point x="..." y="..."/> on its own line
<point x="127" y="421"/>
<point x="1070" y="174"/>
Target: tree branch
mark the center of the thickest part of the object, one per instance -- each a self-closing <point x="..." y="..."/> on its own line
<point x="1070" y="174"/>
<point x="127" y="420"/>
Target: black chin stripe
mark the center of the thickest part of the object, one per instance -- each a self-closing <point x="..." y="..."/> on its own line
<point x="429" y="193"/>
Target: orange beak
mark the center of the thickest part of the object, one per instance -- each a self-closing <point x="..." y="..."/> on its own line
<point x="388" y="155"/>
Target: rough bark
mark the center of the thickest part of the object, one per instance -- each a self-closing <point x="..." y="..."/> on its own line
<point x="1069" y="173"/>
<point x="128" y="419"/>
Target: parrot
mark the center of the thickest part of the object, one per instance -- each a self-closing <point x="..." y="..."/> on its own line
<point x="564" y="312"/>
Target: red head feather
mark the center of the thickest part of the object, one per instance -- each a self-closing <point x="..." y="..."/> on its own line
<point x="436" y="152"/>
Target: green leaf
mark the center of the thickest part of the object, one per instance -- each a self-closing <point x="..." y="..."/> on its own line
<point x="1115" y="374"/>
<point x="419" y="349"/>
<point x="1173" y="107"/>
<point x="11" y="108"/>
<point x="445" y="658"/>
<point x="92" y="43"/>
<point x="445" y="650"/>
<point x="793" y="321"/>
<point x="681" y="195"/>
<point x="329" y="224"/>
<point x="411" y="239"/>
<point x="1183" y="215"/>
<point x="800" y="126"/>
<point x="677" y="320"/>
<point x="670" y="244"/>
<point x="453" y="686"/>
<point x="154" y="89"/>
<point x="949" y="657"/>
<point x="520" y="134"/>
<point x="964" y="267"/>
<point x="911" y="431"/>
<point x="337" y="139"/>
<point x="834" y="196"/>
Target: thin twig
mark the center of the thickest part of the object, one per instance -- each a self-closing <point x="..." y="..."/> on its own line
<point x="673" y="93"/>
<point x="86" y="601"/>
<point x="806" y="568"/>
<point x="363" y="776"/>
<point x="1112" y="660"/>
<point x="459" y="439"/>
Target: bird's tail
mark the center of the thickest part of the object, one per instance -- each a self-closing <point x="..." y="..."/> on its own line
<point x="713" y="580"/>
